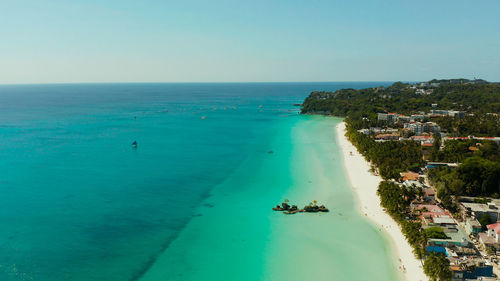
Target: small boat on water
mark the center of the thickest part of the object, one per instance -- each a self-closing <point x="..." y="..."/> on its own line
<point x="134" y="144"/>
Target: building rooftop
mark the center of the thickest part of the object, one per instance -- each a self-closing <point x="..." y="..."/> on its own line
<point x="444" y="219"/>
<point x="457" y="237"/>
<point x="479" y="207"/>
<point x="429" y="192"/>
<point x="495" y="227"/>
<point x="431" y="208"/>
<point x="409" y="183"/>
<point x="409" y="176"/>
<point x="487" y="240"/>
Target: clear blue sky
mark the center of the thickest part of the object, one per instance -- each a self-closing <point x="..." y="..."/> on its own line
<point x="282" y="40"/>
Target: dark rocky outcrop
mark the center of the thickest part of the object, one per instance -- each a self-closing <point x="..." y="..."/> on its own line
<point x="289" y="210"/>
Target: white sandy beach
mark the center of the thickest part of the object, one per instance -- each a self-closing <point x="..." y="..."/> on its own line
<point x="365" y="186"/>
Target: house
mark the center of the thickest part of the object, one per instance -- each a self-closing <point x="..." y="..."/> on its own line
<point x="389" y="117"/>
<point x="494" y="231"/>
<point x="477" y="210"/>
<point x="415" y="127"/>
<point x="415" y="183"/>
<point x="439" y="112"/>
<point x="403" y="118"/>
<point x="470" y="269"/>
<point x="417" y="117"/>
<point x="431" y="127"/>
<point x="434" y="215"/>
<point x="472" y="226"/>
<point x="429" y="194"/>
<point x="456" y="236"/>
<point x="489" y="240"/>
<point x="423" y="139"/>
<point x="364" y="131"/>
<point x="412" y="176"/>
<point x="393" y="136"/>
<point x="419" y="128"/>
<point x="456" y="114"/>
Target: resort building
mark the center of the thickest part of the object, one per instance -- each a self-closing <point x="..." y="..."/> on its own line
<point x="439" y="112"/>
<point x="403" y="118"/>
<point x="477" y="210"/>
<point x="389" y="117"/>
<point x="456" y="114"/>
<point x="417" y="117"/>
<point x="423" y="139"/>
<point x="393" y="136"/>
<point x="472" y="226"/>
<point x="377" y="130"/>
<point x="419" y="128"/>
<point x="456" y="237"/>
<point x="412" y="176"/>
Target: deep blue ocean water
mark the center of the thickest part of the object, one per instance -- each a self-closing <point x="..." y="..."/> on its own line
<point x="78" y="202"/>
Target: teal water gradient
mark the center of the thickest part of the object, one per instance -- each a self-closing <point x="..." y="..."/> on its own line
<point x="79" y="203"/>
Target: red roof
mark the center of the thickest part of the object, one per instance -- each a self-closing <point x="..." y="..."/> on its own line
<point x="427" y="144"/>
<point x="409" y="176"/>
<point x="431" y="208"/>
<point x="495" y="227"/>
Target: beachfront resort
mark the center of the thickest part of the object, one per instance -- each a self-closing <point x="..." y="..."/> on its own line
<point x="435" y="149"/>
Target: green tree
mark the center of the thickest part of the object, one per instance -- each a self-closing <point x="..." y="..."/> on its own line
<point x="435" y="232"/>
<point x="484" y="220"/>
<point x="435" y="148"/>
<point x="437" y="267"/>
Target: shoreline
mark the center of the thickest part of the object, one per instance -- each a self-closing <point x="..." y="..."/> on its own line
<point x="365" y="184"/>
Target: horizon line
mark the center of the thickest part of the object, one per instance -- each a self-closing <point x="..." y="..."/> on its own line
<point x="204" y="82"/>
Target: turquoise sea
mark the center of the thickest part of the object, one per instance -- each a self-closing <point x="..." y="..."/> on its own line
<point x="192" y="201"/>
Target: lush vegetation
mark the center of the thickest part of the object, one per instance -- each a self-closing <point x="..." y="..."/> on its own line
<point x="391" y="157"/>
<point x="458" y="150"/>
<point x="477" y="175"/>
<point x="399" y="97"/>
<point x="396" y="200"/>
<point x="477" y="125"/>
<point x="481" y="99"/>
<point x="437" y="267"/>
<point x="435" y="232"/>
<point x="484" y="220"/>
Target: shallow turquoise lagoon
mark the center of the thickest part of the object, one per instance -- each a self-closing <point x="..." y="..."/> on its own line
<point x="192" y="202"/>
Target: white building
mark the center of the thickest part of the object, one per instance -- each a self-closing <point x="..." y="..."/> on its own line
<point x="494" y="231"/>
